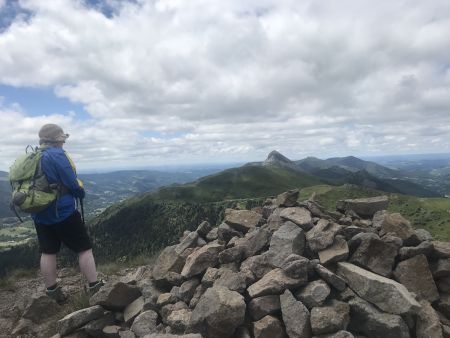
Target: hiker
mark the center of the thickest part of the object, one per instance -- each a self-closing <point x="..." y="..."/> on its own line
<point x="61" y="222"/>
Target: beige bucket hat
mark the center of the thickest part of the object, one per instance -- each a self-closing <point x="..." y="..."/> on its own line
<point x="52" y="133"/>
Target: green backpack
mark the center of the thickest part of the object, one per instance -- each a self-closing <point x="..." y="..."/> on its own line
<point x="31" y="192"/>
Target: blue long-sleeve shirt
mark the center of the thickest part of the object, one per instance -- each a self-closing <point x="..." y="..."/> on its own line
<point x="58" y="169"/>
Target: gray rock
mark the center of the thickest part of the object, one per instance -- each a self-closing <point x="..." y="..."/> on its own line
<point x="330" y="318"/>
<point x="428" y="323"/>
<point x="268" y="327"/>
<point x="254" y="241"/>
<point x="296" y="316"/>
<point x="441" y="249"/>
<point x="296" y="266"/>
<point x="423" y="235"/>
<point x="111" y="331"/>
<point x="356" y="240"/>
<point x="414" y="273"/>
<point x="225" y="232"/>
<point x="443" y="284"/>
<point x="95" y="328"/>
<point x="446" y="331"/>
<point x="145" y="323"/>
<point x="242" y="332"/>
<point x="424" y="248"/>
<point x="242" y="220"/>
<point x="168" y="335"/>
<point x="133" y="309"/>
<point x="190" y="241"/>
<point x="332" y="279"/>
<point x="401" y="227"/>
<point x="211" y="274"/>
<point x="40" y="308"/>
<point x="351" y="231"/>
<point x="273" y="283"/>
<point x="166" y="310"/>
<point x="199" y="291"/>
<point x="322" y="235"/>
<point x="187" y="290"/>
<point x="367" y="319"/>
<point x="77" y="319"/>
<point x="233" y="254"/>
<point x="314" y="294"/>
<point x="339" y="334"/>
<point x="201" y="259"/>
<point x="258" y="265"/>
<point x="364" y="207"/>
<point x="385" y="293"/>
<point x="444" y="304"/>
<point x="288" y="239"/>
<point x="204" y="228"/>
<point x="441" y="268"/>
<point x="166" y="298"/>
<point x="212" y="235"/>
<point x="170" y="260"/>
<point x="287" y="199"/>
<point x="262" y="306"/>
<point x="375" y="255"/>
<point x="179" y="320"/>
<point x="218" y="313"/>
<point x="127" y="334"/>
<point x="299" y="216"/>
<point x="234" y="281"/>
<point x="337" y="252"/>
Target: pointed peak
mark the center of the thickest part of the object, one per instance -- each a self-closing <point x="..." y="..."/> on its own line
<point x="276" y="157"/>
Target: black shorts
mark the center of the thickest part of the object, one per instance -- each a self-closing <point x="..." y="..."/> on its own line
<point x="72" y="232"/>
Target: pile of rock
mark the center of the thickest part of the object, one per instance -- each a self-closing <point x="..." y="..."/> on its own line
<point x="288" y="269"/>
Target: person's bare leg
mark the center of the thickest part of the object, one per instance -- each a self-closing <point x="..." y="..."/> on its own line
<point x="48" y="269"/>
<point x="87" y="265"/>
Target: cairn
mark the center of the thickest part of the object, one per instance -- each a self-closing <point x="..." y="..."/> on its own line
<point x="286" y="269"/>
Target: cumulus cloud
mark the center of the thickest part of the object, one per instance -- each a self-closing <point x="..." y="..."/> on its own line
<point x="173" y="80"/>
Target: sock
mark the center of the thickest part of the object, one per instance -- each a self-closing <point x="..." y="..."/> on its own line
<point x="93" y="283"/>
<point x="53" y="287"/>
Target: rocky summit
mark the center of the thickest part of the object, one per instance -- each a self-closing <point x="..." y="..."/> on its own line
<point x="289" y="269"/>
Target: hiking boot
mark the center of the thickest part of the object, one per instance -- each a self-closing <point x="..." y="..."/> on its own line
<point x="57" y="294"/>
<point x="94" y="288"/>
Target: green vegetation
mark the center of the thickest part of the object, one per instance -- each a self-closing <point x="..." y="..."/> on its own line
<point x="7" y="282"/>
<point x="249" y="181"/>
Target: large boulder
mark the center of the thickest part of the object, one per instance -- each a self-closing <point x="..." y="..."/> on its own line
<point x="201" y="259"/>
<point x="242" y="220"/>
<point x="314" y="294"/>
<point x="424" y="248"/>
<point x="145" y="323"/>
<point x="364" y="207"/>
<point x="401" y="227"/>
<point x="330" y="318"/>
<point x="300" y="216"/>
<point x="218" y="313"/>
<point x="77" y="319"/>
<point x="287" y="198"/>
<point x="331" y="278"/>
<point x="441" y="249"/>
<point x="115" y="297"/>
<point x="40" y="308"/>
<point x="288" y="239"/>
<point x="337" y="252"/>
<point x="388" y="295"/>
<point x="441" y="268"/>
<point x="296" y="316"/>
<point x="258" y="265"/>
<point x="169" y="260"/>
<point x="268" y="327"/>
<point x="322" y="235"/>
<point x="375" y="255"/>
<point x="374" y="323"/>
<point x="275" y="282"/>
<point x="262" y="306"/>
<point x="253" y="242"/>
<point x="415" y="274"/>
<point x="428" y="324"/>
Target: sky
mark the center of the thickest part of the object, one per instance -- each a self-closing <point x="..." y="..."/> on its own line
<point x="147" y="83"/>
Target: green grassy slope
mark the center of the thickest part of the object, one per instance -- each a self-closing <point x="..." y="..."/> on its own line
<point x="243" y="182"/>
<point x="432" y="214"/>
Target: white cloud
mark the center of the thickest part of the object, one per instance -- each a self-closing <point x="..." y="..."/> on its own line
<point x="232" y="80"/>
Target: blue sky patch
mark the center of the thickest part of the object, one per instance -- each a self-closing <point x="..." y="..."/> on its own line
<point x="40" y="101"/>
<point x="12" y="11"/>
